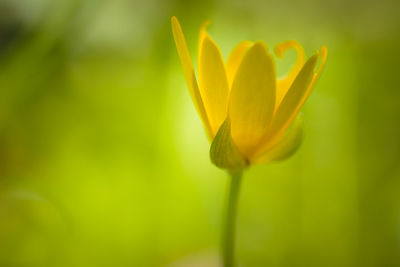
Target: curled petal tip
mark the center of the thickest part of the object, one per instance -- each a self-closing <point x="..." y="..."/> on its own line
<point x="323" y="53"/>
<point x="278" y="52"/>
<point x="281" y="48"/>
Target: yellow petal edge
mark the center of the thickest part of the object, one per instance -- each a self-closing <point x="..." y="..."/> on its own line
<point x="189" y="73"/>
<point x="213" y="83"/>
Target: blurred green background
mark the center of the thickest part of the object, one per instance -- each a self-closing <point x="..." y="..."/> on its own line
<point x="104" y="161"/>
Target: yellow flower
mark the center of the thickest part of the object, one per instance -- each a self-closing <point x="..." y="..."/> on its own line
<point x="250" y="115"/>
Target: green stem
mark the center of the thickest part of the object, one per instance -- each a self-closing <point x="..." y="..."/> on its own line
<point x="228" y="238"/>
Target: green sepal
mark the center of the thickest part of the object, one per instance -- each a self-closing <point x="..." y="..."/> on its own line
<point x="224" y="153"/>
<point x="288" y="144"/>
<point x="292" y="141"/>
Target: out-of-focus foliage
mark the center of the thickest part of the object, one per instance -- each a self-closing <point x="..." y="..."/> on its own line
<point x="104" y="162"/>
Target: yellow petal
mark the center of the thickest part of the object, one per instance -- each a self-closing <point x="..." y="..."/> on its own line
<point x="223" y="152"/>
<point x="252" y="98"/>
<point x="324" y="55"/>
<point x="234" y="60"/>
<point x="202" y="34"/>
<point x="284" y="83"/>
<point x="213" y="83"/>
<point x="294" y="99"/>
<point x="285" y="146"/>
<point x="190" y="76"/>
<point x="299" y="92"/>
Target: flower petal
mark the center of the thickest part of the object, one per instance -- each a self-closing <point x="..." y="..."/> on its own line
<point x="293" y="100"/>
<point x="284" y="83"/>
<point x="298" y="93"/>
<point x="285" y="146"/>
<point x="223" y="152"/>
<point x="234" y="60"/>
<point x="324" y="55"/>
<point x="188" y="70"/>
<point x="213" y="83"/>
<point x="252" y="98"/>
